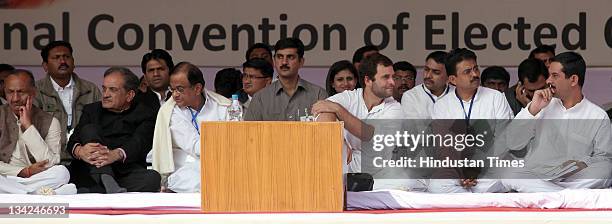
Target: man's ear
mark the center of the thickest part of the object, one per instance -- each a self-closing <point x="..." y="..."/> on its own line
<point x="44" y="65"/>
<point x="574" y="80"/>
<point x="452" y="79"/>
<point x="131" y="95"/>
<point x="199" y="88"/>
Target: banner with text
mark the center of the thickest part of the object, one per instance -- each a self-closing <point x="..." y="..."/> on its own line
<point x="215" y="33"/>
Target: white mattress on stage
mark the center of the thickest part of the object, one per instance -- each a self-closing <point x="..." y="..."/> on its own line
<point x="585" y="206"/>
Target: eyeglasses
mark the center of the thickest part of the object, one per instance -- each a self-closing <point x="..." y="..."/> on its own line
<point x="179" y="89"/>
<point x="404" y="78"/>
<point x="251" y="77"/>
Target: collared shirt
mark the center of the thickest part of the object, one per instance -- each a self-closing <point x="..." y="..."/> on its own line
<point x="163" y="100"/>
<point x="31" y="143"/>
<point x="582" y="132"/>
<point x="185" y="136"/>
<point x="417" y="102"/>
<point x="274" y="104"/>
<point x="488" y="104"/>
<point x="65" y="94"/>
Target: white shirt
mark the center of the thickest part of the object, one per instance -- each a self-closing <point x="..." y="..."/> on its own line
<point x="418" y="102"/>
<point x="185" y="136"/>
<point x="487" y="104"/>
<point x="353" y="102"/>
<point x="159" y="97"/>
<point x="583" y="133"/>
<point x="41" y="149"/>
<point x="65" y="95"/>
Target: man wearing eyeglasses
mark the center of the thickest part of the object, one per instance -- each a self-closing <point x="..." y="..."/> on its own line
<point x="176" y="141"/>
<point x="291" y="96"/>
<point x="404" y="77"/>
<point x="256" y="74"/>
<point x="468" y="102"/>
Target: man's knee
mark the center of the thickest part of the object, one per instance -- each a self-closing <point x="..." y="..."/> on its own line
<point x="152" y="181"/>
<point x="59" y="173"/>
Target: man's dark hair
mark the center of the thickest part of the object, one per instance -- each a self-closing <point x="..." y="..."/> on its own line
<point x="495" y="72"/>
<point x="258" y="46"/>
<point x="44" y="53"/>
<point x="438" y="56"/>
<point x="531" y="69"/>
<point x="290" y="42"/>
<point x="194" y="74"/>
<point x="28" y="73"/>
<point x="131" y="80"/>
<point x="228" y="81"/>
<point x="6" y="67"/>
<point x="573" y="64"/>
<point x="358" y="55"/>
<point x="544" y="48"/>
<point x="333" y="71"/>
<point x="157" y="54"/>
<point x="404" y="66"/>
<point x="455" y="57"/>
<point x="369" y="64"/>
<point x="260" y="64"/>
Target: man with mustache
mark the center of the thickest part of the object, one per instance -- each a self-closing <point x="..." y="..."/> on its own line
<point x="404" y="77"/>
<point x="29" y="142"/>
<point x="418" y="102"/>
<point x="532" y="75"/>
<point x="469" y="101"/>
<point x="562" y="129"/>
<point x="290" y="97"/>
<point x="62" y="93"/>
<point x="112" y="140"/>
<point x="373" y="101"/>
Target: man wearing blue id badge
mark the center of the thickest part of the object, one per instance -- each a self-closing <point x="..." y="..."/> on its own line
<point x="468" y="102"/>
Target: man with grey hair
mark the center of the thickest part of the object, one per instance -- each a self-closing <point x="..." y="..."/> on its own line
<point x="112" y="140"/>
<point x="29" y="142"/>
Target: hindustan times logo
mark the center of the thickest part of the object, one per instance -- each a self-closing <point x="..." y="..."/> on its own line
<point x="405" y="139"/>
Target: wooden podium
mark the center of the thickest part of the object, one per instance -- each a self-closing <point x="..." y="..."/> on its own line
<point x="272" y="167"/>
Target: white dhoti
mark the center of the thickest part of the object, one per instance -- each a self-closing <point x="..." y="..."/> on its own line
<point x="54" y="178"/>
<point x="186" y="179"/>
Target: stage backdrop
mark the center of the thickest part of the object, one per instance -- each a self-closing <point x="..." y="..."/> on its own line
<point x="217" y="33"/>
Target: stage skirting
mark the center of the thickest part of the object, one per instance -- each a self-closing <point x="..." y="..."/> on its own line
<point x="568" y="206"/>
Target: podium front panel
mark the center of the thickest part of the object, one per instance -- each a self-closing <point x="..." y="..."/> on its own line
<point x="271" y="167"/>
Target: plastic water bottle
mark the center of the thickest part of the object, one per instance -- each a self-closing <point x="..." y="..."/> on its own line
<point x="234" y="111"/>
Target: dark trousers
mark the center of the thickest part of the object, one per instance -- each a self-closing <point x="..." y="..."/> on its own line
<point x="133" y="176"/>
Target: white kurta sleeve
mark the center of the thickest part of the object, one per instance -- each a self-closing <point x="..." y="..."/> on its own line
<point x="42" y="149"/>
<point x="603" y="144"/>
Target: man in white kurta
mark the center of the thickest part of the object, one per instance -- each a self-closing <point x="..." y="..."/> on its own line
<point x="374" y="101"/>
<point x="468" y="102"/>
<point x="418" y="102"/>
<point x="176" y="143"/>
<point x="563" y="127"/>
<point x="29" y="143"/>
